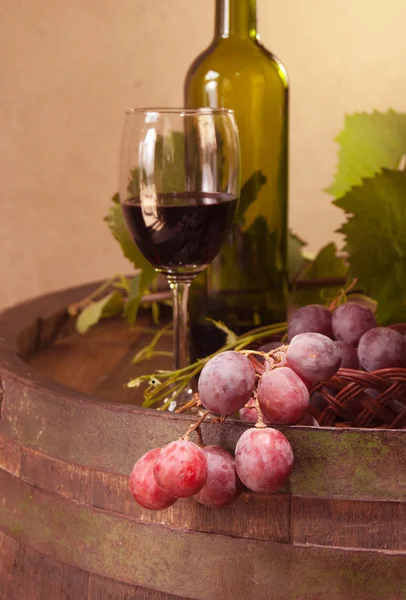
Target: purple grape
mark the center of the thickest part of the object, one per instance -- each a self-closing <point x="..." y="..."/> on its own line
<point x="283" y="397"/>
<point x="226" y="383"/>
<point x="350" y="321"/>
<point x="349" y="356"/>
<point x="263" y="459"/>
<point x="382" y="348"/>
<point x="314" y="357"/>
<point x="222" y="485"/>
<point x="311" y="318"/>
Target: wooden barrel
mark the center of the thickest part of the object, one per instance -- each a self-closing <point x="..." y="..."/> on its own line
<point x="69" y="529"/>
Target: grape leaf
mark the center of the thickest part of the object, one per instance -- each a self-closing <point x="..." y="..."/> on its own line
<point x="231" y="337"/>
<point x="375" y="239"/>
<point x="115" y="221"/>
<point x="368" y="143"/>
<point x="108" y="306"/>
<point x="296" y="260"/>
<point x="325" y="265"/>
<point x="133" y="300"/>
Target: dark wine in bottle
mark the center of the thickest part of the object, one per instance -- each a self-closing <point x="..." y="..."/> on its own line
<point x="246" y="285"/>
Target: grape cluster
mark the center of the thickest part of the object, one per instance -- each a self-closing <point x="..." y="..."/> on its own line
<point x="353" y="327"/>
<point x="263" y="456"/>
<point x="266" y="387"/>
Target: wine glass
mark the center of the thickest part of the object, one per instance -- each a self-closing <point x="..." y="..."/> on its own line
<point x="179" y="184"/>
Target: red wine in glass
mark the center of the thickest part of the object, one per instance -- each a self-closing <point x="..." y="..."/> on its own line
<point x="180" y="232"/>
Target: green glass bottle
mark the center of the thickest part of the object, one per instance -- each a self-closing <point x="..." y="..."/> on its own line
<point x="246" y="285"/>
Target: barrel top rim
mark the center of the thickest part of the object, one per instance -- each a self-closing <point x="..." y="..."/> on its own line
<point x="14" y="319"/>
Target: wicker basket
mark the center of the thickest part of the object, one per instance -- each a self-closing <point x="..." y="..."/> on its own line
<point x="356" y="398"/>
<point x="384" y="406"/>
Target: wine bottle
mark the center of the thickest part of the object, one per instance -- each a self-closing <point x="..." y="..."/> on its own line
<point x="246" y="285"/>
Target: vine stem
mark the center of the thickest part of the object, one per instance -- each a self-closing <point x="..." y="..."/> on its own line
<point x="342" y="293"/>
<point x="195" y="426"/>
<point x="76" y="307"/>
<point x="195" y="401"/>
<point x="173" y="377"/>
<point x="260" y="417"/>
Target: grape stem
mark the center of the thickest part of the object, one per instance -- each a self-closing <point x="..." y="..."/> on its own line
<point x="172" y="383"/>
<point x="195" y="401"/>
<point x="195" y="427"/>
<point x="260" y="417"/>
<point x="341" y="296"/>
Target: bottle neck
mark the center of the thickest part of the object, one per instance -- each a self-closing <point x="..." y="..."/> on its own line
<point x="236" y="18"/>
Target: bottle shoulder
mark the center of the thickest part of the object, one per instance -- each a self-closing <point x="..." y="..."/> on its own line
<point x="229" y="55"/>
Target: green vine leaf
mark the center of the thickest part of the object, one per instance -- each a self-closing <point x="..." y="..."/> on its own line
<point x="375" y="239"/>
<point x="108" y="306"/>
<point x="368" y="143"/>
<point x="325" y="265"/>
<point x="296" y="260"/>
<point x="231" y="337"/>
<point x="116" y="223"/>
<point x="133" y="300"/>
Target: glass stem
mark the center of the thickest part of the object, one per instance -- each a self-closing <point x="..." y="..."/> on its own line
<point x="180" y="294"/>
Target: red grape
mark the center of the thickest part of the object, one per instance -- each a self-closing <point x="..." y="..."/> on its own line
<point x="263" y="459"/>
<point x="283" y="397"/>
<point x="226" y="383"/>
<point x="180" y="468"/>
<point x="311" y="318"/>
<point x="381" y="348"/>
<point x="313" y="356"/>
<point x="222" y="486"/>
<point x="349" y="356"/>
<point x="350" y="321"/>
<point x="248" y="413"/>
<point x="144" y="487"/>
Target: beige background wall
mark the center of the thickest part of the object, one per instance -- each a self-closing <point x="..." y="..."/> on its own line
<point x="69" y="68"/>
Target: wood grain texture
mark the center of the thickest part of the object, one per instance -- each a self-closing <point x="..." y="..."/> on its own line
<point x="29" y="575"/>
<point x="336" y="531"/>
<point x="192" y="564"/>
<point x="104" y="588"/>
<point x="348" y="524"/>
<point x="70" y="426"/>
<point x="256" y="516"/>
<point x="10" y="455"/>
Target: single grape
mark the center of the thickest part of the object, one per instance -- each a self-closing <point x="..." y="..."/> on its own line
<point x="311" y="318"/>
<point x="263" y="459"/>
<point x="248" y="413"/>
<point x="180" y="469"/>
<point x="314" y="357"/>
<point x="349" y="356"/>
<point x="222" y="485"/>
<point x="382" y="348"/>
<point x="350" y="321"/>
<point x="144" y="487"/>
<point x="226" y="383"/>
<point x="283" y="397"/>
